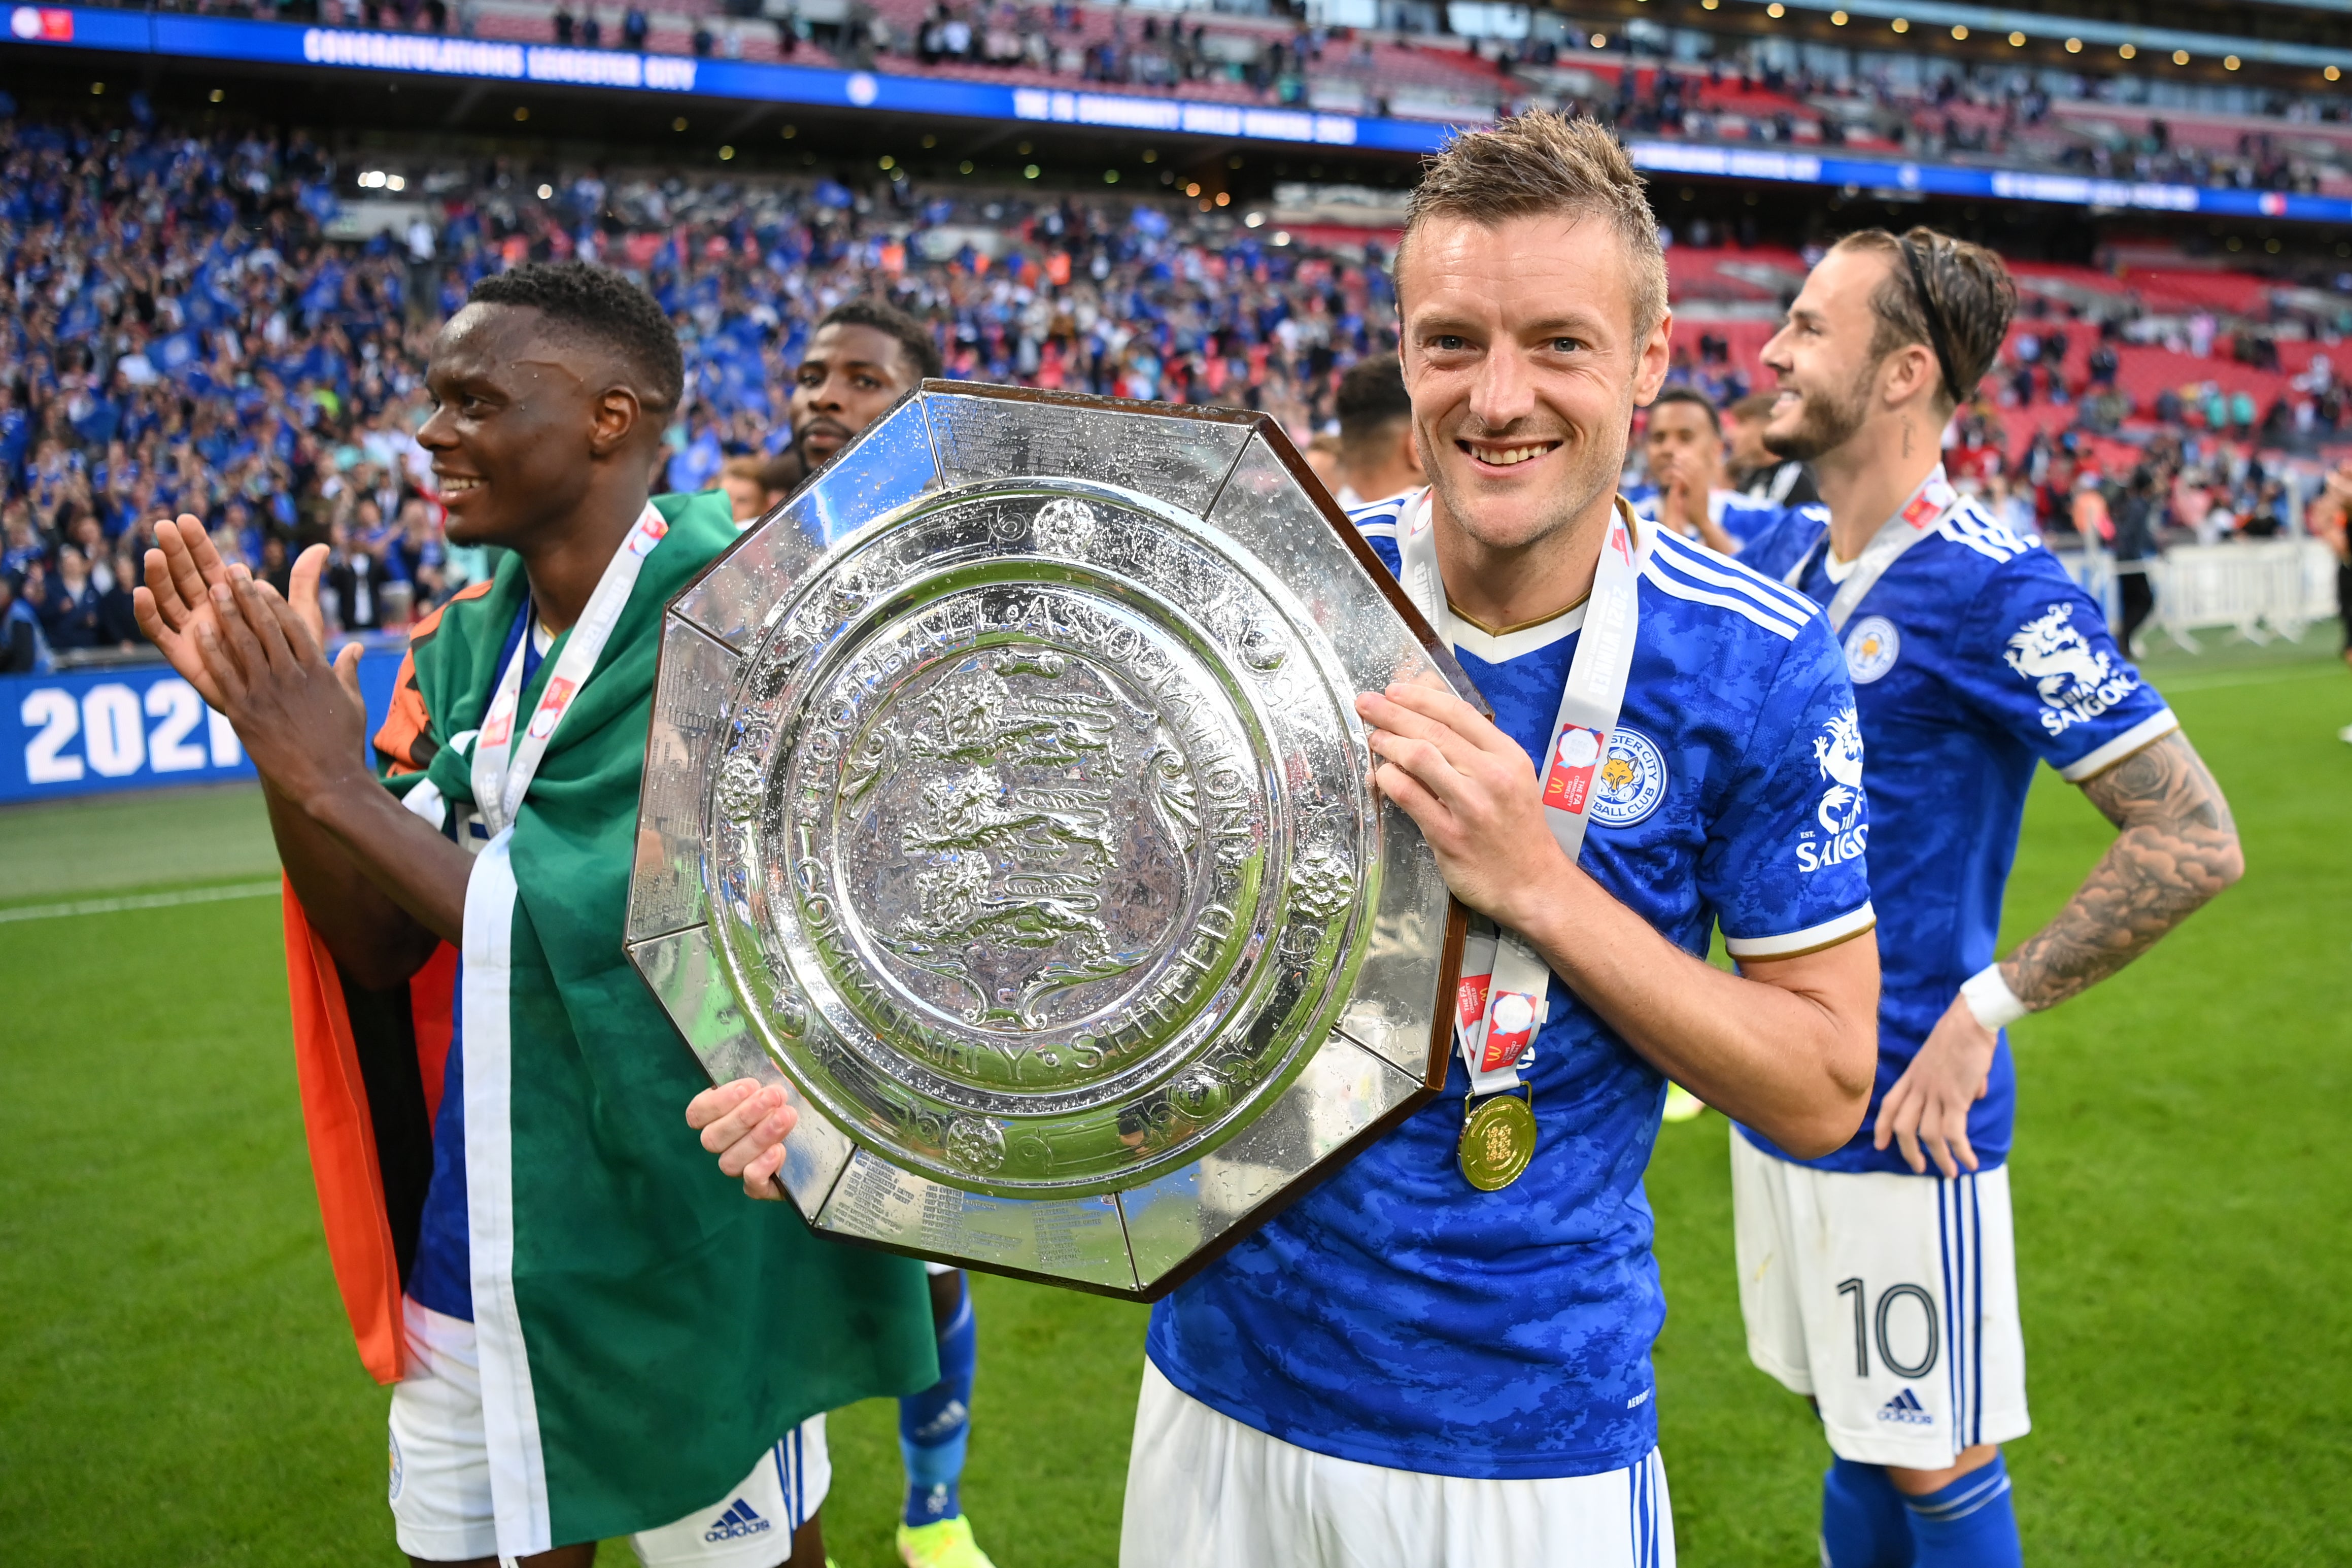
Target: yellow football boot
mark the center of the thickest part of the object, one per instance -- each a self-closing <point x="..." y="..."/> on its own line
<point x="947" y="1544"/>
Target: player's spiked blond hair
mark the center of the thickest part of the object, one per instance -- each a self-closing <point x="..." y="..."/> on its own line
<point x="1540" y="161"/>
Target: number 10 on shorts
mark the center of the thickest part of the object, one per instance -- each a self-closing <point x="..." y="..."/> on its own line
<point x="1888" y="1327"/>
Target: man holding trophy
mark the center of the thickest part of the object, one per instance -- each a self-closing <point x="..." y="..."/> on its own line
<point x="1440" y="1353"/>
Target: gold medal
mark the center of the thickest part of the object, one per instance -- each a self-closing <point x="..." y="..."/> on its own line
<point x="1498" y="1139"/>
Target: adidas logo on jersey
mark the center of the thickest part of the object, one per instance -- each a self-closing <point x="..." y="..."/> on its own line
<point x="1906" y="1408"/>
<point x="736" y="1522"/>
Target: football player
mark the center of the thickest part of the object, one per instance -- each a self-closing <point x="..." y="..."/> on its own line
<point x="539" y="1264"/>
<point x="1682" y="445"/>
<point x="1880" y="1280"/>
<point x="1441" y="1353"/>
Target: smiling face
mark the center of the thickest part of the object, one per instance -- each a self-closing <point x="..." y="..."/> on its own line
<point x="1522" y="362"/>
<point x="849" y="376"/>
<point x="521" y="417"/>
<point x="1824" y="358"/>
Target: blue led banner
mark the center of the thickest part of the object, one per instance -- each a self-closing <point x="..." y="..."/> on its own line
<point x="282" y="43"/>
<point x="134" y="727"/>
<point x="278" y="43"/>
<point x="1997" y="185"/>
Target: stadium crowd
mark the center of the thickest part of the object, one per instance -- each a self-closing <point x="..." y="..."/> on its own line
<point x="186" y="337"/>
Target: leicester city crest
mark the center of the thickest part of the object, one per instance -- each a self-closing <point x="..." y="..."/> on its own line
<point x="1631" y="780"/>
<point x="1871" y="648"/>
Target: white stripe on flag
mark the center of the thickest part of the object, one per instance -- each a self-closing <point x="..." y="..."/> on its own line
<point x="510" y="1411"/>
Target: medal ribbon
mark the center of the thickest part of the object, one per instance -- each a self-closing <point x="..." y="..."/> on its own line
<point x="502" y="765"/>
<point x="1500" y="1003"/>
<point x="1913" y="522"/>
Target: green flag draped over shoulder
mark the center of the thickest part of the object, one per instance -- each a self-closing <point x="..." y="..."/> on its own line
<point x="645" y="1332"/>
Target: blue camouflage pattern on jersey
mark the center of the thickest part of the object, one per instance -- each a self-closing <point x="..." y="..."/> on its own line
<point x="1972" y="657"/>
<point x="1742" y="517"/>
<point x="1396" y="1316"/>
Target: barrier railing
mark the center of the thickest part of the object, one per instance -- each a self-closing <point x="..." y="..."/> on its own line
<point x="2262" y="590"/>
<point x="2258" y="589"/>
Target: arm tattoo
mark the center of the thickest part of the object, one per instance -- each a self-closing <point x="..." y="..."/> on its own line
<point x="2177" y="848"/>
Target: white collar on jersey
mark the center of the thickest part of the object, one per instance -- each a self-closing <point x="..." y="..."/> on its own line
<point x="1499" y="647"/>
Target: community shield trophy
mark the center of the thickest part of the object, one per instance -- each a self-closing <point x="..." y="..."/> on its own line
<point x="1006" y="800"/>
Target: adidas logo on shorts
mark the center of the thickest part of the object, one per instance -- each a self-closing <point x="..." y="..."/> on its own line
<point x="1905" y="1407"/>
<point x="736" y="1522"/>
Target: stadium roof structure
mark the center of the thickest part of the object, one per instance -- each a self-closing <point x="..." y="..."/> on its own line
<point x="185" y="38"/>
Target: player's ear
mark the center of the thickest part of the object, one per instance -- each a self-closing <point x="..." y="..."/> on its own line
<point x="615" y="417"/>
<point x="1657" y="353"/>
<point x="1908" y="370"/>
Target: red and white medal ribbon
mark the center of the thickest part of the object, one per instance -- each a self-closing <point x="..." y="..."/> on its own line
<point x="1500" y="1003"/>
<point x="1913" y="522"/>
<point x="502" y="766"/>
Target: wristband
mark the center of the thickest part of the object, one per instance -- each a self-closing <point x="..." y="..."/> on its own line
<point x="1990" y="999"/>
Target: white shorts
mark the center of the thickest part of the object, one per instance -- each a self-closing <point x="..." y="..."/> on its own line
<point x="1203" y="1489"/>
<point x="441" y="1470"/>
<point x="1890" y="1299"/>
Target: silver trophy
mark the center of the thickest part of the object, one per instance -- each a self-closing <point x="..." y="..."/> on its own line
<point x="1006" y="800"/>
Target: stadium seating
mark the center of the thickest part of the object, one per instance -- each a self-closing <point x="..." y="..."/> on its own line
<point x="296" y="419"/>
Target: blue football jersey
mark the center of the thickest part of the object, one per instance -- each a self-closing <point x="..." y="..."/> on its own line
<point x="1742" y="517"/>
<point x="1397" y="1316"/>
<point x="1745" y="519"/>
<point x="1972" y="657"/>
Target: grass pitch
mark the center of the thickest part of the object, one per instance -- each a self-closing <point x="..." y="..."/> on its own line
<point x="177" y="1384"/>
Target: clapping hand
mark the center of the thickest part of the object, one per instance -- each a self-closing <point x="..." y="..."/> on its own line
<point x="1686" y="508"/>
<point x="183" y="570"/>
<point x="257" y="659"/>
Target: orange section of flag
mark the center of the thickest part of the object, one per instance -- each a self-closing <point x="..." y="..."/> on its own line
<point x="343" y="1147"/>
<point x="342" y="1129"/>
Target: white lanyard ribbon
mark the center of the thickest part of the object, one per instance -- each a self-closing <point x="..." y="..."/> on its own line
<point x="1912" y="523"/>
<point x="1500" y="1003"/>
<point x="502" y="766"/>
